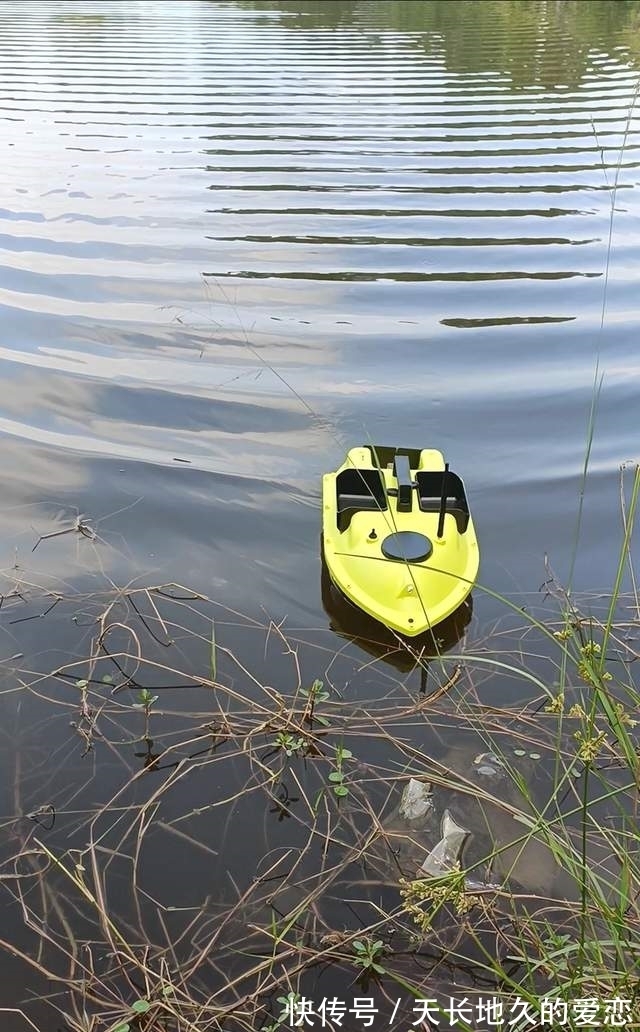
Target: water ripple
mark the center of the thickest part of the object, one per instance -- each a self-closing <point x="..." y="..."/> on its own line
<point x="404" y="216"/>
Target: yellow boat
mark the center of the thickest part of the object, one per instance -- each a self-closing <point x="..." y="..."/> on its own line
<point x="397" y="536"/>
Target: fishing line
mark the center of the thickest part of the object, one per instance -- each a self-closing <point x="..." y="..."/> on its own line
<point x="387" y="514"/>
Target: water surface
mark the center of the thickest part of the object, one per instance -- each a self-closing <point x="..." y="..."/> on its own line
<point x="403" y="210"/>
<point x="238" y="238"/>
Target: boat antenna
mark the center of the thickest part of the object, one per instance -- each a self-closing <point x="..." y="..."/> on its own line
<point x="443" y="499"/>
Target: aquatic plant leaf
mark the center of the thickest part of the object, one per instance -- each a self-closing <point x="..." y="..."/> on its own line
<point x="141" y="1006"/>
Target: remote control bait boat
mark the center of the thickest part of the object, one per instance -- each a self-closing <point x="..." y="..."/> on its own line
<point x="397" y="536"/>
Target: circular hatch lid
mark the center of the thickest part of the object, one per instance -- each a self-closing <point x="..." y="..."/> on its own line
<point x="407" y="546"/>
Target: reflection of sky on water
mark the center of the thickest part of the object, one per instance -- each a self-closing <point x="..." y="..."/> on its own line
<point x="446" y="204"/>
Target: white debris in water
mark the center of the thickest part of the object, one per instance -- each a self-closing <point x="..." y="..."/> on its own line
<point x="416" y="800"/>
<point x="488" y="764"/>
<point x="446" y="853"/>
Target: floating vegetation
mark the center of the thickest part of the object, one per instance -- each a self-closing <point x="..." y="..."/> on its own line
<point x="195" y="844"/>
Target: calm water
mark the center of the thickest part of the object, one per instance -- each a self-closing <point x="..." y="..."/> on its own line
<point x="402" y="209"/>
<point x="238" y="238"/>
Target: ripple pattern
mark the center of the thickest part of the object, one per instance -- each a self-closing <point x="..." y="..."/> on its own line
<point x="240" y="234"/>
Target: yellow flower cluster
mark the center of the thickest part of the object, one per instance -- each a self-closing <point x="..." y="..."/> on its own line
<point x="436" y="891"/>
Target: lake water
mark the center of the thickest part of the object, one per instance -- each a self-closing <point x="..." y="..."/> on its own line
<point x="238" y="238"/>
<point x="399" y="212"/>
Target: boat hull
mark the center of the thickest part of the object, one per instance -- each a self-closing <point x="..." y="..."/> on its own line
<point x="409" y="595"/>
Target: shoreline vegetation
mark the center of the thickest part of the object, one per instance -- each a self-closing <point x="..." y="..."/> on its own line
<point x="216" y="849"/>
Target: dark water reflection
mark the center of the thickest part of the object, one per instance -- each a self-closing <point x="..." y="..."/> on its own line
<point x="237" y="238"/>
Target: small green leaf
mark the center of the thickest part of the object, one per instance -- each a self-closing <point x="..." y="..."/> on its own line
<point x="82" y="684"/>
<point x="107" y="679"/>
<point x="346" y="754"/>
<point x="336" y="775"/>
<point x="359" y="946"/>
<point x="377" y="945"/>
<point x="340" y="790"/>
<point x="123" y="1027"/>
<point x="141" y="1006"/>
<point x="321" y="720"/>
<point x="380" y="970"/>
